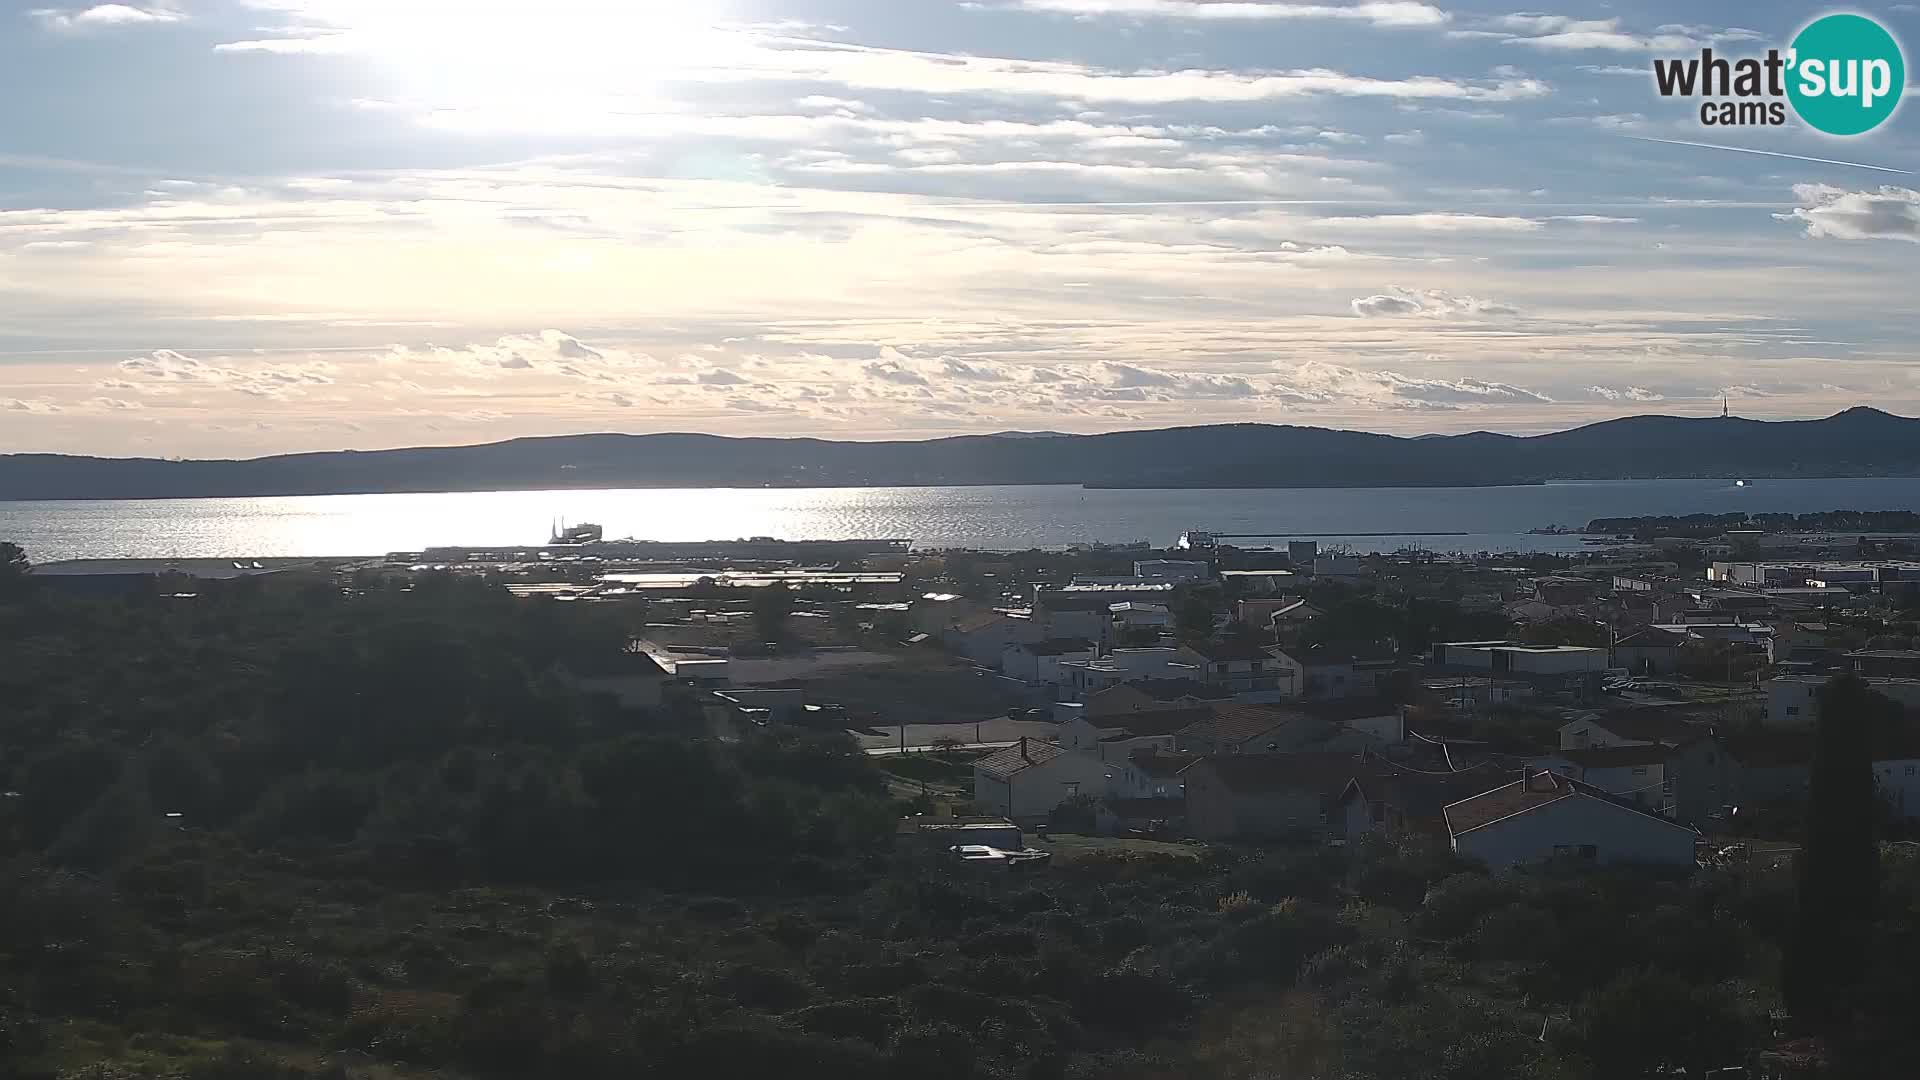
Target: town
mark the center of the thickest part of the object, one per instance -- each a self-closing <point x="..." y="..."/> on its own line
<point x="1270" y="721"/>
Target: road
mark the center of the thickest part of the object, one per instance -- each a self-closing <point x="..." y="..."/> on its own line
<point x="879" y="751"/>
<point x="993" y="731"/>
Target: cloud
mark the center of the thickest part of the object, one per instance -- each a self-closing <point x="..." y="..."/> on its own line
<point x="1831" y="213"/>
<point x="101" y="16"/>
<point x="1446" y="222"/>
<point x="1431" y="303"/>
<point x="741" y="57"/>
<point x="1378" y="12"/>
<point x="1624" y="393"/>
<point x="1563" y="33"/>
<point x="173" y="370"/>
<point x="1318" y="382"/>
<point x="38" y="406"/>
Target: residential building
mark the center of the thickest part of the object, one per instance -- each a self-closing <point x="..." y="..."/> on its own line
<point x="1885" y="663"/>
<point x="633" y="677"/>
<point x="1039" y="663"/>
<point x="1272" y="795"/>
<point x="933" y="613"/>
<point x="1339" y="568"/>
<point x="1634" y="773"/>
<point x="1651" y="650"/>
<point x="1062" y="614"/>
<point x="1898" y="781"/>
<point x="1631" y="727"/>
<point x="1381" y="723"/>
<point x="1239" y="666"/>
<point x="1795" y="635"/>
<point x="1026" y="781"/>
<point x="1769" y="766"/>
<point x="1251" y="729"/>
<point x="1545" y="816"/>
<point x="1794" y="701"/>
<point x="1088" y="677"/>
<point x="1501" y="657"/>
<point x="1122" y="737"/>
<point x="983" y="637"/>
<point x="1174" y="570"/>
<point x="1323" y="674"/>
<point x="1562" y="591"/>
<point x="1262" y="582"/>
<point x="1138" y="615"/>
<point x="1702" y="780"/>
<point x="1149" y="694"/>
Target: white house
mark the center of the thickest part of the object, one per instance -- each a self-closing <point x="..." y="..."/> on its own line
<point x="1543" y="816"/>
<point x="1120" y="738"/>
<point x="1634" y="773"/>
<point x="1026" y="781"/>
<point x="1038" y="663"/>
<point x="983" y="637"/>
<point x="1239" y="666"/>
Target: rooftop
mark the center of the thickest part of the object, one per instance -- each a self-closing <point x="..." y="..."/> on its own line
<point x="1007" y="762"/>
<point x="1614" y="757"/>
<point x="1238" y="723"/>
<point x="1151" y="722"/>
<point x="1323" y="772"/>
<point x="1163" y="765"/>
<point x="1224" y="651"/>
<point x="1535" y="790"/>
<point x="1059" y="646"/>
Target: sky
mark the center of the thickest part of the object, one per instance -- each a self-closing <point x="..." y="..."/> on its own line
<point x="243" y="227"/>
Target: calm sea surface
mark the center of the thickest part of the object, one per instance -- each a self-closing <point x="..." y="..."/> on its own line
<point x="1491" y="519"/>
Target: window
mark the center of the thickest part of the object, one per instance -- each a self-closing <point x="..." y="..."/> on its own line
<point x="1793" y="710"/>
<point x="1641" y="771"/>
<point x="1909" y="770"/>
<point x="1073" y="788"/>
<point x="1589" y="851"/>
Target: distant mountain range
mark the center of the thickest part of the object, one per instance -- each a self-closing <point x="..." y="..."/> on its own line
<point x="1857" y="442"/>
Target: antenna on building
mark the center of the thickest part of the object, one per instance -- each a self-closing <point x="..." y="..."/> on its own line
<point x="1723" y="405"/>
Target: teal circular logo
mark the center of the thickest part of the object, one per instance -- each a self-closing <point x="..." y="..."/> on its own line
<point x="1845" y="74"/>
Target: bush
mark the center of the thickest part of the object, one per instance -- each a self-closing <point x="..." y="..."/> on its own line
<point x="731" y="1050"/>
<point x="764" y="988"/>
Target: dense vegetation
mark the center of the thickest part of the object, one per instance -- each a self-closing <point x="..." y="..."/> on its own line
<point x="405" y="845"/>
<point x="1848" y="521"/>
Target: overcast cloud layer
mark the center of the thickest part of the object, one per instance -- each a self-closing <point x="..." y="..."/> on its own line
<point x="234" y="227"/>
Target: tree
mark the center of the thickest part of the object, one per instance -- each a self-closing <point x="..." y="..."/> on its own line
<point x="13" y="571"/>
<point x="1193" y="617"/>
<point x="1839" y="869"/>
<point x="772" y="607"/>
<point x="1567" y="631"/>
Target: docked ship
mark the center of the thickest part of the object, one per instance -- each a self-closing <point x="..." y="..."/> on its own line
<point x="565" y="535"/>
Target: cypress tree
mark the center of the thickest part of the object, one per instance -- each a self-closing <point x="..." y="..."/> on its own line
<point x="1840" y="866"/>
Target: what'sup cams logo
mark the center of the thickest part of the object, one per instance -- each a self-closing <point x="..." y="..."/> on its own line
<point x="1843" y="75"/>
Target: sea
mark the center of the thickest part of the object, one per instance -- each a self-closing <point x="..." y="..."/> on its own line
<point x="1478" y="519"/>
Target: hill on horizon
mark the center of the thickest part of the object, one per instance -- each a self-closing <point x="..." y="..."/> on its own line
<point x="1857" y="442"/>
